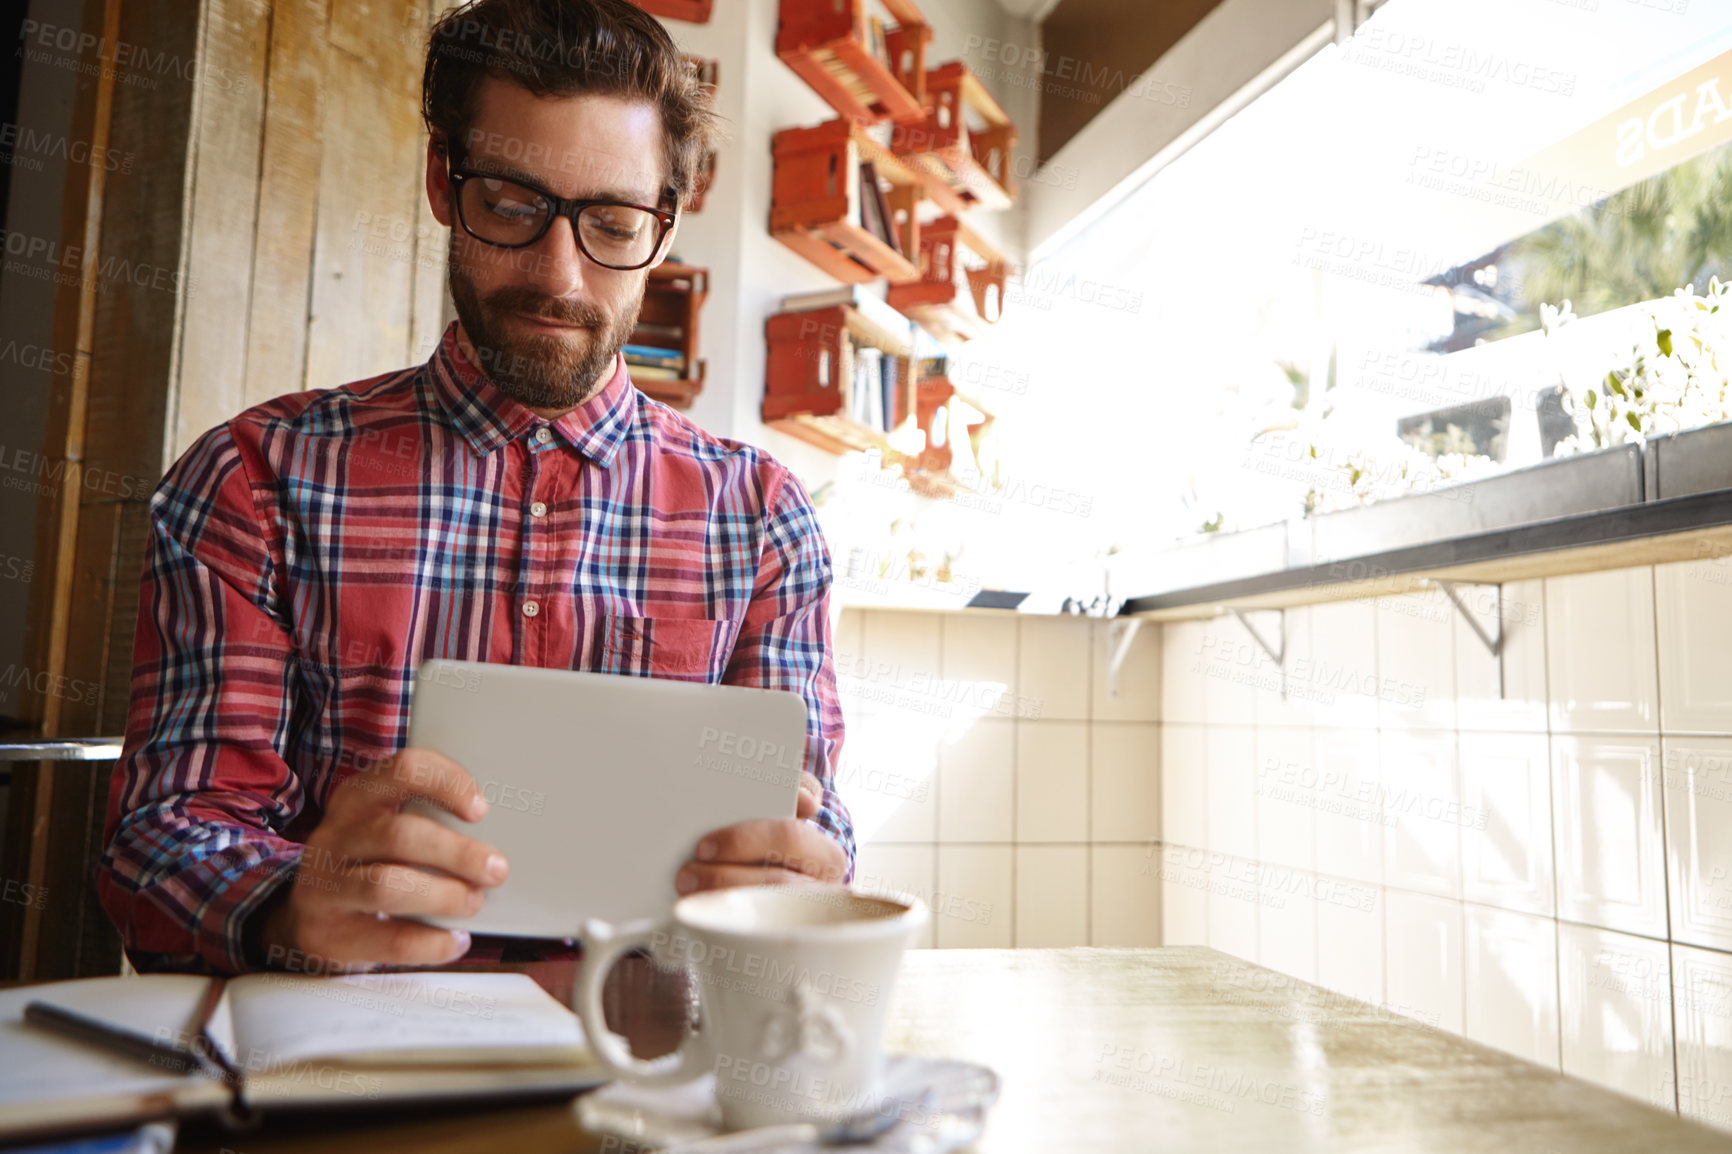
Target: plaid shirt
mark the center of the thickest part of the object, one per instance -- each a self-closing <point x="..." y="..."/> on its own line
<point x="308" y="555"/>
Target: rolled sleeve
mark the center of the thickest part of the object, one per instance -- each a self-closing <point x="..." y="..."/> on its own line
<point x="202" y="789"/>
<point x="784" y="642"/>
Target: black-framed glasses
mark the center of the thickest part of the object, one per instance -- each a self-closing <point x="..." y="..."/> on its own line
<point x="511" y="214"/>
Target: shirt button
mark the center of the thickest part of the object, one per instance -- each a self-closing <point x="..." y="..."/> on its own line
<point x="543" y="435"/>
<point x="530" y="609"/>
<point x="538" y="510"/>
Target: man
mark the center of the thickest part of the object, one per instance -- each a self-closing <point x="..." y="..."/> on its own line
<point x="514" y="500"/>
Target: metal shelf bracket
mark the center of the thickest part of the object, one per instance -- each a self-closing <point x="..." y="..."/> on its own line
<point x="1121" y="634"/>
<point x="1493" y="642"/>
<point x="1277" y="654"/>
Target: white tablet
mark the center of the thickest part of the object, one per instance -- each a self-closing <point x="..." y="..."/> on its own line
<point x="600" y="785"/>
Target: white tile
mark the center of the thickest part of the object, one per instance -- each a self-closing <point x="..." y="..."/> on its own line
<point x="976" y="775"/>
<point x="1511" y="982"/>
<point x="1182" y="676"/>
<point x="1232" y="758"/>
<point x="1287" y="921"/>
<point x="1184" y="785"/>
<point x="1124" y="895"/>
<point x="1424" y="960"/>
<point x="1342" y="673"/>
<point x="1611" y="857"/>
<point x="1233" y="902"/>
<point x="1698" y="789"/>
<point x="1232" y="661"/>
<point x="1416" y="661"/>
<point x="1052" y="904"/>
<point x="887" y="776"/>
<point x="1506" y="821"/>
<point x="1350" y="939"/>
<point x="979" y="647"/>
<point x="1052" y="781"/>
<point x="1139" y="696"/>
<point x="1422" y="813"/>
<point x="1184" y="880"/>
<point x="1600" y="660"/>
<point x="974" y="907"/>
<point x="902" y="869"/>
<point x="1522" y="704"/>
<point x="904" y="647"/>
<point x="1285" y="784"/>
<point x="852" y="666"/>
<point x="1347" y="797"/>
<point x="1053" y="667"/>
<point x="1702" y="1010"/>
<point x="1615" y="1012"/>
<point x="1694" y="604"/>
<point x="1125" y="784"/>
<point x="1295" y="706"/>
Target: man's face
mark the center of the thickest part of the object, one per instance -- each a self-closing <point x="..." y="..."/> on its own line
<point x="545" y="322"/>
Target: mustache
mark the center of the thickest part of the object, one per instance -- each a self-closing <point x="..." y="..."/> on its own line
<point x="519" y="300"/>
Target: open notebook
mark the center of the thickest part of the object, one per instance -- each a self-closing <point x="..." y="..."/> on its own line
<point x="300" y="1042"/>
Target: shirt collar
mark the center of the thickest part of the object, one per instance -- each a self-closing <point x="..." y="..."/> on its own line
<point x="487" y="418"/>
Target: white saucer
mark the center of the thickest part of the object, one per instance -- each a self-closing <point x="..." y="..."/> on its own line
<point x="953" y="1115"/>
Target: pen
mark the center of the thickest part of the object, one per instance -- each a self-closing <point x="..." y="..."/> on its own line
<point x="114" y="1039"/>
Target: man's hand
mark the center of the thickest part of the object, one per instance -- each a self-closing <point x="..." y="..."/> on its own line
<point x="767" y="852"/>
<point x="369" y="866"/>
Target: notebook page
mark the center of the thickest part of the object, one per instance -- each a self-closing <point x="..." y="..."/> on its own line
<point x="40" y="1066"/>
<point x="421" y="1018"/>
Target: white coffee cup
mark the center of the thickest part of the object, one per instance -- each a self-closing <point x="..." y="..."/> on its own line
<point x="793" y="983"/>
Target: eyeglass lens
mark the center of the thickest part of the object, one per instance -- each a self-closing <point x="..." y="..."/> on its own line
<point x="504" y="212"/>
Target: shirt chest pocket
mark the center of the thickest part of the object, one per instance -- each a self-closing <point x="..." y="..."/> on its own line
<point x="676" y="648"/>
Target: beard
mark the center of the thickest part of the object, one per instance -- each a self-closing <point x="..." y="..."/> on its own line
<point x="540" y="370"/>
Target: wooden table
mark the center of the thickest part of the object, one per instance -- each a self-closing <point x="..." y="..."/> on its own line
<point x="1158" y="1052"/>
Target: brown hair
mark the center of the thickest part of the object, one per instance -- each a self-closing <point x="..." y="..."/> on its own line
<point x="564" y="48"/>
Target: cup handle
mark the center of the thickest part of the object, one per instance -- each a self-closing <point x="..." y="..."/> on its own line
<point x="602" y="945"/>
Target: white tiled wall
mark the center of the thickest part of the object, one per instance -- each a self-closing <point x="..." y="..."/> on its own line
<point x="991" y="771"/>
<point x="1548" y="871"/>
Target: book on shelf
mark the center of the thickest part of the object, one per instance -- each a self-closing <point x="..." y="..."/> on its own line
<point x="875" y="215"/>
<point x="651" y="355"/>
<point x="291" y="1042"/>
<point x="888" y="380"/>
<point x="654" y="372"/>
<point x="872" y="308"/>
<point x="877" y="43"/>
<point x="867" y="395"/>
<point x="650" y="331"/>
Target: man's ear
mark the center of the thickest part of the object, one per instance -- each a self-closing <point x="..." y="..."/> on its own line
<point x="438" y="182"/>
<point x="667" y="244"/>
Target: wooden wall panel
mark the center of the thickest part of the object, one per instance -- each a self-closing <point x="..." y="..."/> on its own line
<point x="225" y="196"/>
<point x="288" y="201"/>
<point x="370" y="178"/>
<point x="432" y="310"/>
<point x="229" y="266"/>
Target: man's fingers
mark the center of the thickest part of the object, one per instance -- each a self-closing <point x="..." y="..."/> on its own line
<point x="811" y="796"/>
<point x="695" y="877"/>
<point x="410" y="774"/>
<point x="413" y="840"/>
<point x="794" y="845"/>
<point x="381" y="887"/>
<point x="357" y="939"/>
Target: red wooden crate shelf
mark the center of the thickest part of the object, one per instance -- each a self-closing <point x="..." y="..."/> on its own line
<point x="929" y="473"/>
<point x="953" y="300"/>
<point x="691" y="11"/>
<point x="809" y="361"/>
<point x="962" y="167"/>
<point x="826" y="43"/>
<point x="672" y="299"/>
<point x="815" y="203"/>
